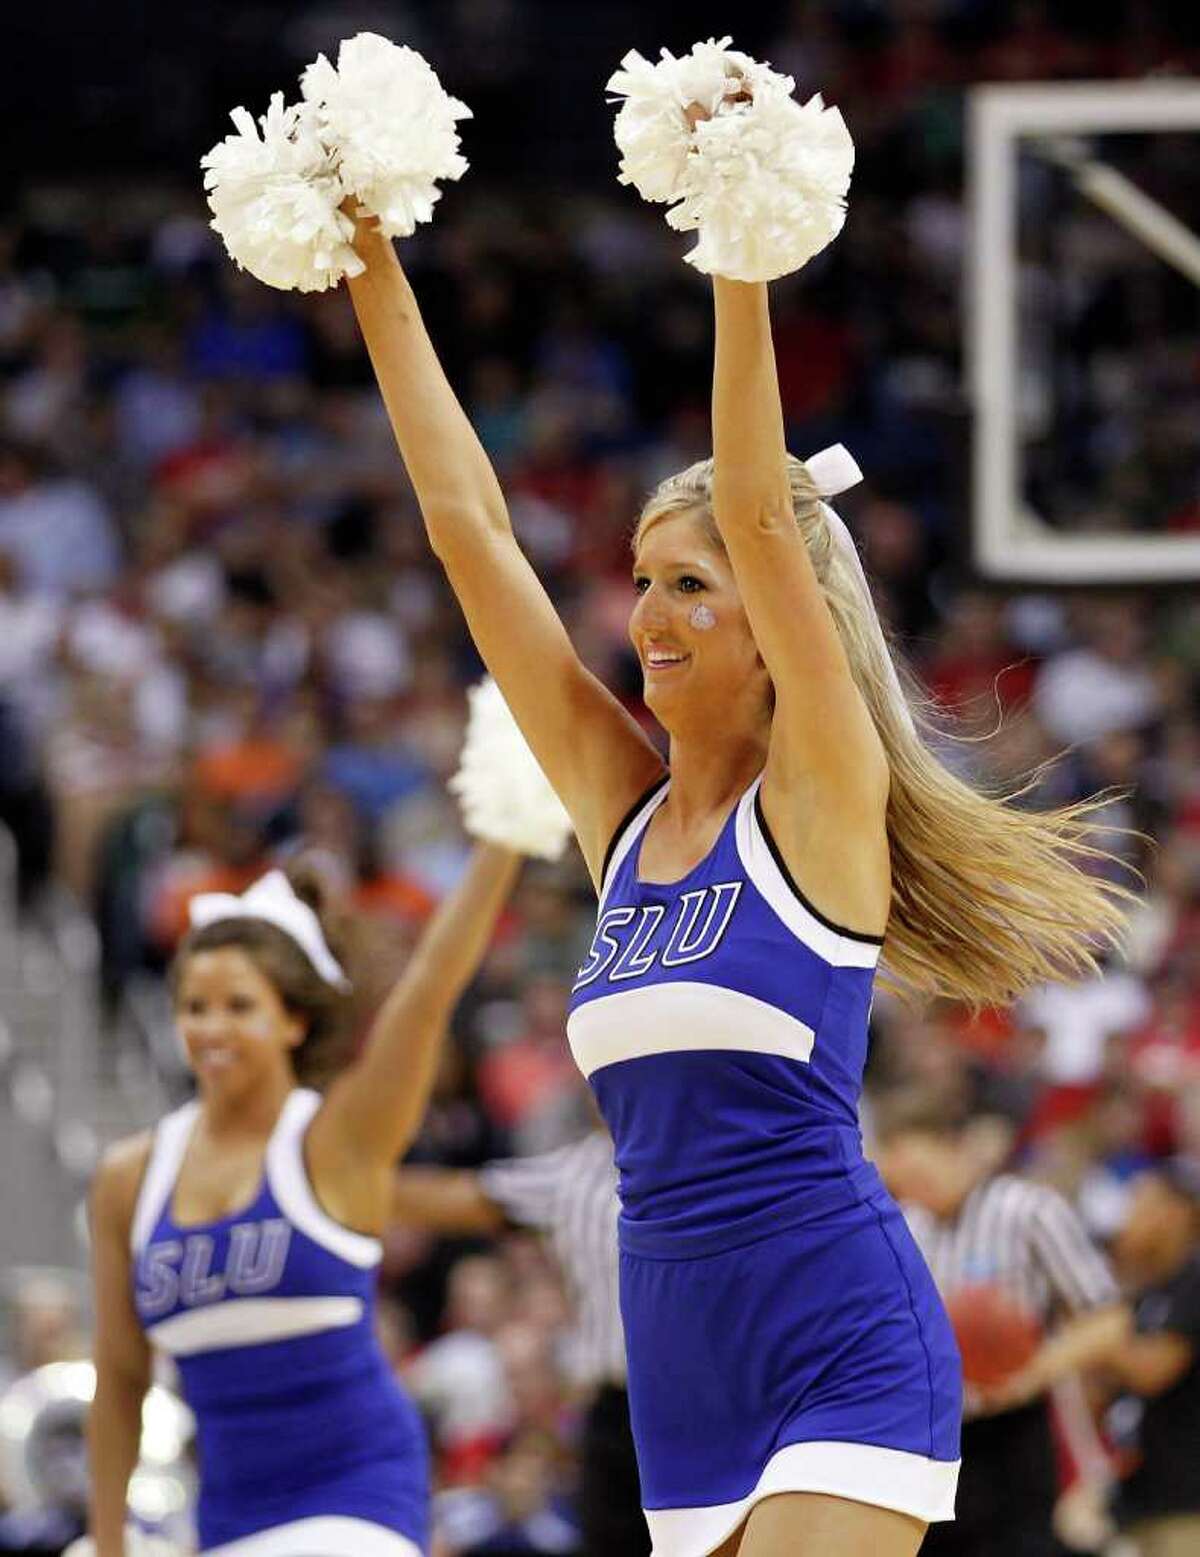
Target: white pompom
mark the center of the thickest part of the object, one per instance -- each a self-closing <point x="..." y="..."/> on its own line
<point x="761" y="179"/>
<point x="651" y="128"/>
<point x="391" y="126"/>
<point x="767" y="190"/>
<point x="275" y="200"/>
<point x="504" y="795"/>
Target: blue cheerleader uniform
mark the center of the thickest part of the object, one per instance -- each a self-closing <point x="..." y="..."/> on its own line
<point x="307" y="1445"/>
<point x="783" y="1332"/>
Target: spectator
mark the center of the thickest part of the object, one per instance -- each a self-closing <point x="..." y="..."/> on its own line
<point x="529" y="1081"/>
<point x="1158" y="1249"/>
<point x="30" y="628"/>
<point x="1079" y="1019"/>
<point x="56" y="528"/>
<point x="1105" y="684"/>
<point x="459" y="1379"/>
<point x="44" y="1324"/>
<point x="520" y="1512"/>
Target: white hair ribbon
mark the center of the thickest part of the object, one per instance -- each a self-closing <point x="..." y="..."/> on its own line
<point x="272" y="899"/>
<point x="835" y="470"/>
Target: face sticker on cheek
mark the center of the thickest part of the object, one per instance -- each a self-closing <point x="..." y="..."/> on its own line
<point x="702" y="618"/>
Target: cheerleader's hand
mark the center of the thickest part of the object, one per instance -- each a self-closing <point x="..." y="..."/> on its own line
<point x="738" y="90"/>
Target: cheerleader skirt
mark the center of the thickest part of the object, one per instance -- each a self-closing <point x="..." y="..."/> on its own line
<point x="772" y="1358"/>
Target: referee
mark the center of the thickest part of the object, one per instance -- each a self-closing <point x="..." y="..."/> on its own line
<point x="570" y="1195"/>
<point x="975" y="1226"/>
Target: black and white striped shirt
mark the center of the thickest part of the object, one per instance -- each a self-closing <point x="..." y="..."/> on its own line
<point x="1022" y="1236"/>
<point x="571" y="1195"/>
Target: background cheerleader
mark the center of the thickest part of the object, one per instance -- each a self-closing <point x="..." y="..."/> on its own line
<point x="241" y="1236"/>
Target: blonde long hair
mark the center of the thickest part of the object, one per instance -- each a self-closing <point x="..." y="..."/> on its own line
<point x="987" y="899"/>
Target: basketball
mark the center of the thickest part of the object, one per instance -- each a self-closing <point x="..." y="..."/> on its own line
<point x="996" y="1335"/>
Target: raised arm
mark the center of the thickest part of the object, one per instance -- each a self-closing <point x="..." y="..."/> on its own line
<point x="825" y="751"/>
<point x="374" y="1108"/>
<point x="591" y="750"/>
<point x="820" y="718"/>
<point x="122" y="1357"/>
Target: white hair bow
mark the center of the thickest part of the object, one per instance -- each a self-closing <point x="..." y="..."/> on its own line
<point x="835" y="470"/>
<point x="272" y="899"/>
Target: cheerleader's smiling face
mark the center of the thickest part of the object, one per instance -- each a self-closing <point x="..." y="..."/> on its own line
<point x="689" y="628"/>
<point x="233" y="1022"/>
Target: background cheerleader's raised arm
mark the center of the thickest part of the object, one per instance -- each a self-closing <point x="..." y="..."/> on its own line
<point x="225" y="1163"/>
<point x="372" y="1111"/>
<point x="261" y="1160"/>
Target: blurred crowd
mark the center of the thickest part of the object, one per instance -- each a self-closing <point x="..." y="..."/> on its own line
<point x="222" y="633"/>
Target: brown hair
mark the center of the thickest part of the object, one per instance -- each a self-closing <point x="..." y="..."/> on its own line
<point x="988" y="899"/>
<point x="326" y="1011"/>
